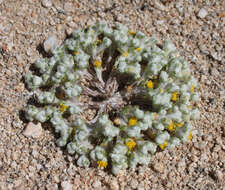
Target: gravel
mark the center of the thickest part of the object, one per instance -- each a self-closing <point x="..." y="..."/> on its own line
<point x="50" y="43"/>
<point x="202" y="13"/>
<point x="197" y="29"/>
<point x="66" y="185"/>
<point x="46" y="3"/>
<point x="33" y="130"/>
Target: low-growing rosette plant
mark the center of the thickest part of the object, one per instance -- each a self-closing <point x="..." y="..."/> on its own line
<point x="115" y="96"/>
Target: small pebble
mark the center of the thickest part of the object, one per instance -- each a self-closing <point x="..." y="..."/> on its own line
<point x="134" y="183"/>
<point x="69" y="31"/>
<point x="219" y="175"/>
<point x="214" y="72"/>
<point x="159" y="6"/>
<point x="66" y="185"/>
<point x="19" y="87"/>
<point x="33" y="130"/>
<point x="97" y="184"/>
<point x="50" y="43"/>
<point x="159" y="167"/>
<point x="46" y="3"/>
<point x="68" y="7"/>
<point x="202" y="13"/>
<point x="114" y="185"/>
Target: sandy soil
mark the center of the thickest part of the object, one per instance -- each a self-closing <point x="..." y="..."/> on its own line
<point x="197" y="28"/>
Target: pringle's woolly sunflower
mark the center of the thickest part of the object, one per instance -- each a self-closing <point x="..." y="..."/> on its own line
<point x="115" y="96"/>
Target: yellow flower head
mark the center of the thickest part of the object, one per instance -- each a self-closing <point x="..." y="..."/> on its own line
<point x="189" y="107"/>
<point x="132" y="121"/>
<point x="129" y="88"/>
<point x="171" y="126"/>
<point x="163" y="146"/>
<point x="63" y="107"/>
<point x="103" y="145"/>
<point x="155" y="77"/>
<point x="75" y="53"/>
<point x="116" y="121"/>
<point x="150" y="84"/>
<point x="138" y="49"/>
<point x="99" y="41"/>
<point x="174" y="96"/>
<point x="151" y="134"/>
<point x="132" y="32"/>
<point x="131" y="144"/>
<point x="156" y="116"/>
<point x="102" y="164"/>
<point x="97" y="63"/>
<point x="161" y="90"/>
<point x="60" y="95"/>
<point x="125" y="54"/>
<point x="73" y="131"/>
<point x="192" y="89"/>
<point x="131" y="69"/>
<point x="179" y="124"/>
<point x="189" y="136"/>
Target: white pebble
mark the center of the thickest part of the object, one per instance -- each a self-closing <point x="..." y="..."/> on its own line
<point x="68" y="7"/>
<point x="219" y="175"/>
<point x="97" y="184"/>
<point x="33" y="130"/>
<point x="50" y="43"/>
<point x="114" y="185"/>
<point x="46" y="3"/>
<point x="202" y="13"/>
<point x="66" y="185"/>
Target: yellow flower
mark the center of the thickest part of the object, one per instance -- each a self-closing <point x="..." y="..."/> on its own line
<point x="132" y="121"/>
<point x="161" y="90"/>
<point x="179" y="124"/>
<point x="73" y="130"/>
<point x="138" y="49"/>
<point x="97" y="63"/>
<point x="103" y="145"/>
<point x="171" y="126"/>
<point x="129" y="88"/>
<point x="131" y="69"/>
<point x="189" y="136"/>
<point x="102" y="164"/>
<point x="155" y="77"/>
<point x="174" y="96"/>
<point x="156" y="116"/>
<point x="151" y="134"/>
<point x="132" y="32"/>
<point x="116" y="121"/>
<point x="60" y="95"/>
<point x="192" y="89"/>
<point x="131" y="144"/>
<point x="125" y="54"/>
<point x="150" y="84"/>
<point x="63" y="107"/>
<point x="189" y="107"/>
<point x="99" y="41"/>
<point x="75" y="53"/>
<point x="163" y="146"/>
<point x="170" y="111"/>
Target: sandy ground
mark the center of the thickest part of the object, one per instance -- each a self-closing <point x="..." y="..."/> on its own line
<point x="197" y="28"/>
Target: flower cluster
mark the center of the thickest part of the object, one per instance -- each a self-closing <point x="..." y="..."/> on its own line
<point x="115" y="96"/>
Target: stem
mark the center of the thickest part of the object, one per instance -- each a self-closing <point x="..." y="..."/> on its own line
<point x="99" y="75"/>
<point x="89" y="92"/>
